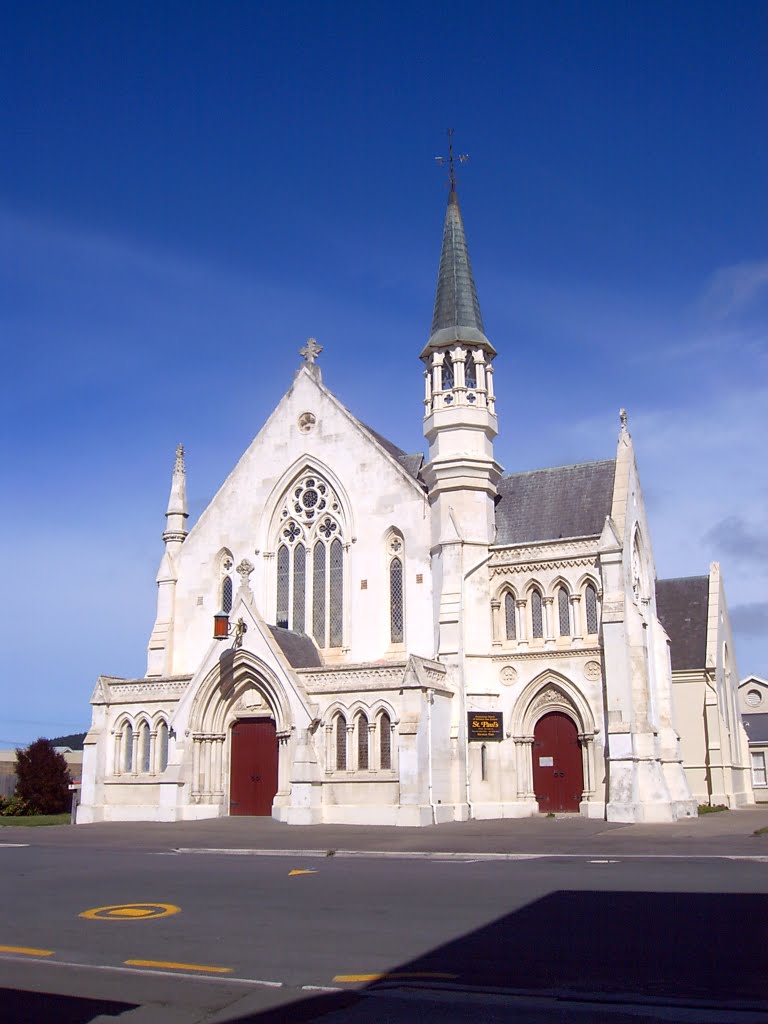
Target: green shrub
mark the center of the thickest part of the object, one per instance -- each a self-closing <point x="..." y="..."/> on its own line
<point x="43" y="778"/>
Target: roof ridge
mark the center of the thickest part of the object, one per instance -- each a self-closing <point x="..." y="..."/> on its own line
<point x="676" y="579"/>
<point x="552" y="469"/>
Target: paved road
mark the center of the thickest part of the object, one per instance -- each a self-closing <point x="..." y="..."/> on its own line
<point x="529" y="939"/>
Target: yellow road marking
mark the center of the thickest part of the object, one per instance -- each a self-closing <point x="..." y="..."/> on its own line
<point x="131" y="912"/>
<point x="396" y="974"/>
<point x="302" y="871"/>
<point x="169" y="964"/>
<point x="26" y="951"/>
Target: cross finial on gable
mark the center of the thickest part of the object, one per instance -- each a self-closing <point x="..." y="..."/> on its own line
<point x="311" y="351"/>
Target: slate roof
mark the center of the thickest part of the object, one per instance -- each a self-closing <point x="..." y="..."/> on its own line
<point x="682" y="605"/>
<point x="547" y="504"/>
<point x="456" y="303"/>
<point x="756" y="727"/>
<point x="298" y="648"/>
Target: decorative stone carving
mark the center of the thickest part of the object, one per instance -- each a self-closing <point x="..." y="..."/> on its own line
<point x="251" y="700"/>
<point x="306" y="422"/>
<point x="508" y="675"/>
<point x="244" y="570"/>
<point x="549" y="697"/>
<point x="592" y="670"/>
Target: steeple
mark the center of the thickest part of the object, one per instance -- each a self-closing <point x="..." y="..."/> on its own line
<point x="457" y="316"/>
<point x="176" y="513"/>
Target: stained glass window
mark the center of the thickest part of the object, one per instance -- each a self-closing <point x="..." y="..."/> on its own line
<point x="563" y="610"/>
<point x="362" y="743"/>
<point x="385" y="741"/>
<point x="396" y="600"/>
<point x="226" y="594"/>
<point x="162" y="747"/>
<point x="537" y="620"/>
<point x="341" y="743"/>
<point x="336" y="609"/>
<point x="318" y="594"/>
<point x="590" y="607"/>
<point x="509" y="616"/>
<point x="283" y="586"/>
<point x="299" y="587"/>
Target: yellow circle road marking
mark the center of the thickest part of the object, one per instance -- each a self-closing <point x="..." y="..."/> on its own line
<point x="131" y="912"/>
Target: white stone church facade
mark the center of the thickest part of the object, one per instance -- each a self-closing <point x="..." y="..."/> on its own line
<point x="407" y="640"/>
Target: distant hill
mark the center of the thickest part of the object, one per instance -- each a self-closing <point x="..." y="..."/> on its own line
<point x="74" y="741"/>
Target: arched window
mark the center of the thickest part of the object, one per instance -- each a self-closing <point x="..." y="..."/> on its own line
<point x="341" y="743"/>
<point x="310" y="562"/>
<point x="590" y="608"/>
<point x="283" y="585"/>
<point x="226" y="594"/>
<point x="396" y="601"/>
<point x="385" y="741"/>
<point x="537" y="619"/>
<point x="299" y="587"/>
<point x="362" y="743"/>
<point x="470" y="371"/>
<point x="318" y="594"/>
<point x="336" y="588"/>
<point x="448" y="380"/>
<point x="563" y="612"/>
<point x="510" y="623"/>
<point x="144" y="751"/>
<point x="162" y="747"/>
<point x="127" y="747"/>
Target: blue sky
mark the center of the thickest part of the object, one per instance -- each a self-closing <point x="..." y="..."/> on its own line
<point x="190" y="190"/>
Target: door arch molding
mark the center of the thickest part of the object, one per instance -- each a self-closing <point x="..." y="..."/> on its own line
<point x="551" y="691"/>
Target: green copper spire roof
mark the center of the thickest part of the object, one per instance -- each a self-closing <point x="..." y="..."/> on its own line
<point x="457" y="315"/>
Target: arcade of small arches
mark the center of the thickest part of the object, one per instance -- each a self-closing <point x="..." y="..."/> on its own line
<point x="458" y="376"/>
<point x="536" y="614"/>
<point x="360" y="741"/>
<point x="141" y="745"/>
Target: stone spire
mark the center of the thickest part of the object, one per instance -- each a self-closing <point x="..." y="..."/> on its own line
<point x="176" y="513"/>
<point x="457" y="316"/>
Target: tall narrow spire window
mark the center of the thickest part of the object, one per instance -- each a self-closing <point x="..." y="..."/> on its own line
<point x="470" y="370"/>
<point x="448" y="375"/>
<point x="310" y="561"/>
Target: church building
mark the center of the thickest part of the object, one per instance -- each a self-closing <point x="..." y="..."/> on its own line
<point x="355" y="634"/>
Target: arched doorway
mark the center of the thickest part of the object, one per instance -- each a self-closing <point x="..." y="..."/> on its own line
<point x="558" y="773"/>
<point x="253" y="766"/>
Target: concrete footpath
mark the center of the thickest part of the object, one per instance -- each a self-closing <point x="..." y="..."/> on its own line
<point x="726" y="834"/>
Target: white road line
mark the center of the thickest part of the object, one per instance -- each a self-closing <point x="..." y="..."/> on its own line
<point x="12" y="846"/>
<point x="149" y="972"/>
<point x="321" y="988"/>
<point x="463" y="857"/>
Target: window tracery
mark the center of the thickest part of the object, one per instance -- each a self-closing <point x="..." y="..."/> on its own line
<point x="310" y="543"/>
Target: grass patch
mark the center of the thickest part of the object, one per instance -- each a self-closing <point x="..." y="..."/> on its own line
<point x="712" y="808"/>
<point x="761" y="831"/>
<point x="31" y="820"/>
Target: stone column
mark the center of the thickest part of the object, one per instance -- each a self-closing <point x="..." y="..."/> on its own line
<point x="549" y="625"/>
<point x="577" y="626"/>
<point x="195" y="767"/>
<point x="522" y="622"/>
<point x="497" y="632"/>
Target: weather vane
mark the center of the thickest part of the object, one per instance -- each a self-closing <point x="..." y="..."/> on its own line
<point x="443" y="160"/>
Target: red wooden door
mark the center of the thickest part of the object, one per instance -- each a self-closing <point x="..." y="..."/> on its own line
<point x="253" y="767"/>
<point x="558" y="773"/>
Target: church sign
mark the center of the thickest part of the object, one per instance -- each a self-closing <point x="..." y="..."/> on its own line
<point x="485" y="725"/>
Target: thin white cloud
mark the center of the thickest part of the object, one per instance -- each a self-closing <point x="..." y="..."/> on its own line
<point x="732" y="289"/>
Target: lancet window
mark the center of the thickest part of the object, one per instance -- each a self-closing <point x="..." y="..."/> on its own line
<point x="310" y="561"/>
<point x="225" y="580"/>
<point x="162" y="746"/>
<point x="537" y="618"/>
<point x="395" y="552"/>
<point x="563" y="612"/>
<point x="510" y="624"/>
<point x="341" y="743"/>
<point x="590" y="607"/>
<point x="362" y="742"/>
<point x="385" y="741"/>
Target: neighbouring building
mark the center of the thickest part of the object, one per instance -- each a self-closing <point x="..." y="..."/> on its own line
<point x="753" y="705"/>
<point x="407" y="639"/>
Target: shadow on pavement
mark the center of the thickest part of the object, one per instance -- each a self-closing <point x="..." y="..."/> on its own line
<point x="17" y="1007"/>
<point x="696" y="948"/>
